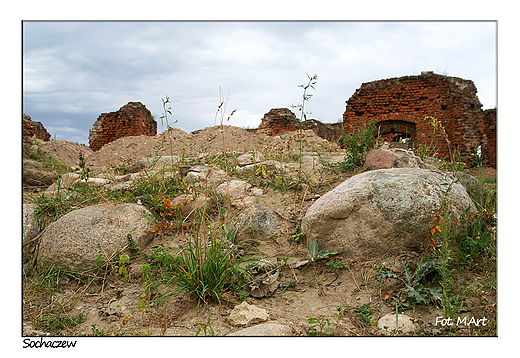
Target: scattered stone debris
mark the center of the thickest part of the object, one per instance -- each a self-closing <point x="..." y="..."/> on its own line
<point x="245" y="314"/>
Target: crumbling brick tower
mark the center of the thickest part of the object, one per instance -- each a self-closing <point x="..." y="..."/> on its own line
<point x="132" y="119"/>
<point x="277" y="121"/>
<point x="280" y="120"/>
<point x="401" y="104"/>
<point x="32" y="129"/>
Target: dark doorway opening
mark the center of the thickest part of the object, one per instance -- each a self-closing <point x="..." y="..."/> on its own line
<point x="397" y="131"/>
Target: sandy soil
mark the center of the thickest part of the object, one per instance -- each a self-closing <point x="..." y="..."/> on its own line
<point x="313" y="290"/>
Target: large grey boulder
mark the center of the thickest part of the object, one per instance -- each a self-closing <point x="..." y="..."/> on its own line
<point x="77" y="238"/>
<point x="472" y="185"/>
<point x="382" y="211"/>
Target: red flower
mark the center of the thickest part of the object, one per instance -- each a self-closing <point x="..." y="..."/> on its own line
<point x="167" y="203"/>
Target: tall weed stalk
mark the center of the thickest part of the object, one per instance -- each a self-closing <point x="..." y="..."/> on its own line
<point x="303" y="116"/>
<point x="446" y="230"/>
<point x="207" y="265"/>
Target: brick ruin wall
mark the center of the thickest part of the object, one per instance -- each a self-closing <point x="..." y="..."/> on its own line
<point x="280" y="120"/>
<point x="32" y="130"/>
<point x="490" y="122"/>
<point x="401" y="104"/>
<point x="277" y="121"/>
<point x="133" y="119"/>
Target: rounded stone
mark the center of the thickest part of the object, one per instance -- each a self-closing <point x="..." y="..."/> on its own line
<point x="77" y="238"/>
<point x="390" y="324"/>
<point x="382" y="212"/>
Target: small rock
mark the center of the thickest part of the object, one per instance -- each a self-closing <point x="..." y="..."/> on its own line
<point x="273" y="165"/>
<point x="301" y="263"/>
<point x="250" y="158"/>
<point x="245" y="314"/>
<point x="30" y="225"/>
<point x="256" y="191"/>
<point x="188" y="204"/>
<point x="379" y="159"/>
<point x="255" y="222"/>
<point x="200" y="173"/>
<point x="265" y="329"/>
<point x="390" y="325"/>
<point x="270" y="166"/>
<point x="407" y="162"/>
<point x="186" y="168"/>
<point x="92" y="182"/>
<point x="65" y="181"/>
<point x="121" y="186"/>
<point x="235" y="188"/>
<point x="33" y="177"/>
<point x="123" y="178"/>
<point x="143" y="199"/>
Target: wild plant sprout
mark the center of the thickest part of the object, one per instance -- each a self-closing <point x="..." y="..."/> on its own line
<point x="303" y="116"/>
<point x="208" y="265"/>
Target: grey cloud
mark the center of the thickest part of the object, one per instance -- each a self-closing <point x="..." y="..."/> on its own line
<point x="78" y="70"/>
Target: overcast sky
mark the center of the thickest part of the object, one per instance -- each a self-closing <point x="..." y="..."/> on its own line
<point x="74" y="71"/>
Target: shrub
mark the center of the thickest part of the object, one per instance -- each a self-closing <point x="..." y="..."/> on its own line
<point x="358" y="143"/>
<point x="205" y="268"/>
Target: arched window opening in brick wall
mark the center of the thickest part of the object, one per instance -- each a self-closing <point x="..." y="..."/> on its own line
<point x="397" y="131"/>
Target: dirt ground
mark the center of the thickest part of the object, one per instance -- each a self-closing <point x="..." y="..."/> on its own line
<point x="111" y="306"/>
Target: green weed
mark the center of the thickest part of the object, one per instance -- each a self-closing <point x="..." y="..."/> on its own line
<point x="303" y="116"/>
<point x="57" y="322"/>
<point x="298" y="235"/>
<point x="333" y="266"/>
<point x="32" y="150"/>
<point x="206" y="327"/>
<point x="319" y="326"/>
<point x="316" y="254"/>
<point x="358" y="143"/>
<point x="364" y="315"/>
<point x="97" y="332"/>
<point x="411" y="282"/>
<point x="475" y="241"/>
<point x="205" y="268"/>
<point x="84" y="172"/>
<point x="122" y="267"/>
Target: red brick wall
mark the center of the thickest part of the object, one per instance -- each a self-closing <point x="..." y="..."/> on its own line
<point x="132" y="119"/>
<point x="32" y="129"/>
<point x="489" y="157"/>
<point x="278" y="120"/>
<point x="409" y="99"/>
